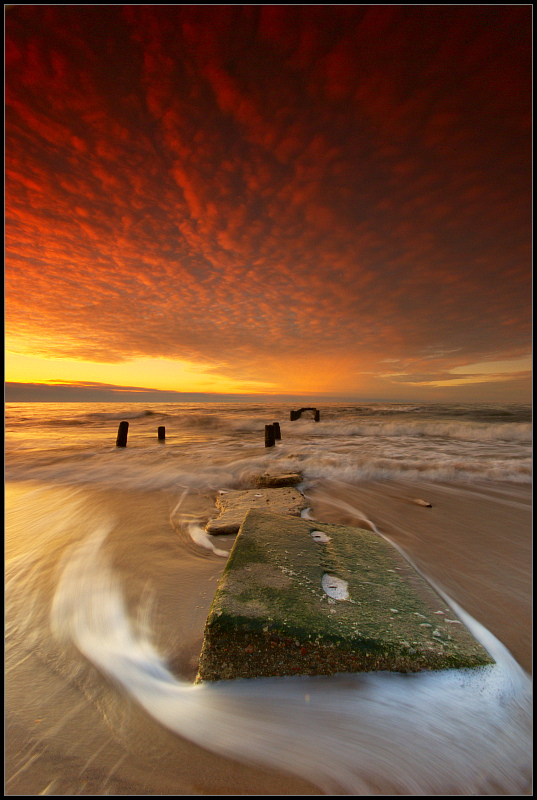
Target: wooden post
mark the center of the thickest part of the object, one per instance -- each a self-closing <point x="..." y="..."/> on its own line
<point x="269" y="436"/>
<point x="161" y="433"/>
<point x="122" y="432"/>
<point x="277" y="431"/>
<point x="317" y="415"/>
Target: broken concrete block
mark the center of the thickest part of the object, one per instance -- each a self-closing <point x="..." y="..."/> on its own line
<point x="234" y="506"/>
<point x="276" y="481"/>
<point x="302" y="597"/>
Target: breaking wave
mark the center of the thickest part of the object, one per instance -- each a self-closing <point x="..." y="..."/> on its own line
<point x="467" y="431"/>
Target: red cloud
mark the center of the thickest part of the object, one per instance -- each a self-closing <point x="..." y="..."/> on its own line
<point x="239" y="182"/>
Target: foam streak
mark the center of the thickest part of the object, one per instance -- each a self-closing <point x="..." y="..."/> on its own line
<point x="456" y="732"/>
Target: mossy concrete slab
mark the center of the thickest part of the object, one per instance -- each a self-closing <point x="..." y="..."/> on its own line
<point x="234" y="505"/>
<point x="272" y="616"/>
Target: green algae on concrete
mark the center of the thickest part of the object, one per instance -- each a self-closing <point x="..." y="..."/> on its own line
<point x="272" y="616"/>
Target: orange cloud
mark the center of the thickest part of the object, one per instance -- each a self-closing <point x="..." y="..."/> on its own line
<point x="238" y="185"/>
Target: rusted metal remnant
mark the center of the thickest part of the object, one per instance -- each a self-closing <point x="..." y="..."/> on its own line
<point x="296" y="414"/>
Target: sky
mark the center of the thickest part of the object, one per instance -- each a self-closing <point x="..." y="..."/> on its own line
<point x="316" y="201"/>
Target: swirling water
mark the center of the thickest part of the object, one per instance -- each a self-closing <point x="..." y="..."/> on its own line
<point x="212" y="445"/>
<point x="90" y="570"/>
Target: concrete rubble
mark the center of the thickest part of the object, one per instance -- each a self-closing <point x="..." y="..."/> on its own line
<point x="234" y="505"/>
<point x="277" y="481"/>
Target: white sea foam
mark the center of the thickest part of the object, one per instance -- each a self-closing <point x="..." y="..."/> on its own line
<point x="465" y="430"/>
<point x="455" y="732"/>
<point x="213" y="464"/>
<point x="184" y="522"/>
<point x="223" y="446"/>
<point x="202" y="539"/>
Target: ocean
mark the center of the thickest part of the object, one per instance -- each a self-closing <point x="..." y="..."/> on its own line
<point x="106" y="600"/>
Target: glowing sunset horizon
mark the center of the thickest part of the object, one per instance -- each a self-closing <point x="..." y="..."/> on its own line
<point x="268" y="201"/>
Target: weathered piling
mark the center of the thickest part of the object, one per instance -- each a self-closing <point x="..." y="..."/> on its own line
<point x="122" y="433"/>
<point x="277" y="431"/>
<point x="269" y="436"/>
<point x="317" y="416"/>
<point x="161" y="433"/>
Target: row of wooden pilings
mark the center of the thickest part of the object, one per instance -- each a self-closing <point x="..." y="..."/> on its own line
<point x="272" y="432"/>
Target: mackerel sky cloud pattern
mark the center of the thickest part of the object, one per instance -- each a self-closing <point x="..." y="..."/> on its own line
<point x="272" y="192"/>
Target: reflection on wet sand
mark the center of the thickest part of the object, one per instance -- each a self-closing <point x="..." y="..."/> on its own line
<point x="105" y="610"/>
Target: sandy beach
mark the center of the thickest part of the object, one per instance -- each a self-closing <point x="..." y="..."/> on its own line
<point x="70" y="732"/>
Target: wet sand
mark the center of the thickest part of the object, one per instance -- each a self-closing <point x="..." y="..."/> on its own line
<point x="68" y="731"/>
<point x="475" y="542"/>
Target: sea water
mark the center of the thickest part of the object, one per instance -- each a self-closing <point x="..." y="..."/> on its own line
<point x="88" y="640"/>
<point x="214" y="445"/>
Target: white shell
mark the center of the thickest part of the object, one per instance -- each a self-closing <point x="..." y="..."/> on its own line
<point x="335" y="587"/>
<point x="319" y="536"/>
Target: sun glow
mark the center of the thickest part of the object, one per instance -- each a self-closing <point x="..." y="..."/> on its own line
<point x="152" y="373"/>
